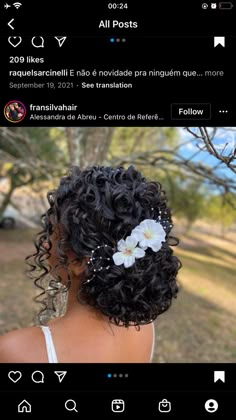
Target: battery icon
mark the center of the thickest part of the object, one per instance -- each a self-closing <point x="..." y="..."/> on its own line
<point x="225" y="5"/>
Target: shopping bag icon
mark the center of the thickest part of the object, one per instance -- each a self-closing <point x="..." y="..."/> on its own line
<point x="164" y="406"/>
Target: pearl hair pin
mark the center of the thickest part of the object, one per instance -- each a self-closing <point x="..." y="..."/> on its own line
<point x="162" y="220"/>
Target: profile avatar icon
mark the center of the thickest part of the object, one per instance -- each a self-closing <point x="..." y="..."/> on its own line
<point x="15" y="111"/>
<point x="211" y="406"/>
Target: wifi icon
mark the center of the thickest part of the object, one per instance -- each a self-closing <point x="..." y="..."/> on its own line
<point x="17" y="5"/>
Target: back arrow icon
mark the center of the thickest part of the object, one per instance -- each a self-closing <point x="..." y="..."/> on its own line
<point x="9" y="24"/>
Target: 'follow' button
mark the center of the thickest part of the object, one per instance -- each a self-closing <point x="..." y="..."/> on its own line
<point x="190" y="111"/>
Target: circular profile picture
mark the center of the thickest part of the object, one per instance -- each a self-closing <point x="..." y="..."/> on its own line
<point x="14" y="111"/>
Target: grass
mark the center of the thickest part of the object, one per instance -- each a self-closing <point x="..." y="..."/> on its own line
<point x="200" y="325"/>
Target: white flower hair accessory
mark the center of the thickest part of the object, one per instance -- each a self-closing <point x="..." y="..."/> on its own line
<point x="148" y="234"/>
<point x="128" y="251"/>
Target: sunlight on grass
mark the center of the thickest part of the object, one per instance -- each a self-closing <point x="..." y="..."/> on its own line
<point x="206" y="258"/>
<point x="211" y="240"/>
<point x="209" y="269"/>
<point x="220" y="295"/>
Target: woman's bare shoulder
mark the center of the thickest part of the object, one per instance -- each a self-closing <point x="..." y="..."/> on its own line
<point x="19" y="345"/>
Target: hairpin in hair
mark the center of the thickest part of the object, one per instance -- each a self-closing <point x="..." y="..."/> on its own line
<point x="95" y="256"/>
<point x="149" y="233"/>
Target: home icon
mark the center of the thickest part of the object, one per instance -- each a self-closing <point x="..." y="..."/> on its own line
<point x="24" y="407"/>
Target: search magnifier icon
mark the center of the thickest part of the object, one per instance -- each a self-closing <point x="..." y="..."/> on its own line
<point x="70" y="405"/>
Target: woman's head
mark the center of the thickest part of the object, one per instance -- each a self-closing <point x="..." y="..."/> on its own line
<point x="90" y="212"/>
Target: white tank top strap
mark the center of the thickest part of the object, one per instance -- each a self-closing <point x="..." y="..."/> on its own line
<point x="51" y="352"/>
<point x="153" y="342"/>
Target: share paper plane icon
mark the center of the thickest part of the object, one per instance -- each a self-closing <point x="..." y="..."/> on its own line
<point x="60" y="39"/>
<point x="60" y="374"/>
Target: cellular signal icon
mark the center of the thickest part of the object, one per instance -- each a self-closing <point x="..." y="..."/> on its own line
<point x="17" y="5"/>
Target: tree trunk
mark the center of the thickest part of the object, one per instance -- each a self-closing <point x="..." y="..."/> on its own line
<point x="96" y="143"/>
<point x="73" y="136"/>
<point x="6" y="201"/>
<point x="223" y="230"/>
<point x="188" y="227"/>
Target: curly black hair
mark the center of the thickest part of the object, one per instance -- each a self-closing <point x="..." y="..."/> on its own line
<point x="99" y="206"/>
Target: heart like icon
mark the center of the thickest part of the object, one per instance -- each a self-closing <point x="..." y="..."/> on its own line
<point x="14" y="375"/>
<point x="15" y="41"/>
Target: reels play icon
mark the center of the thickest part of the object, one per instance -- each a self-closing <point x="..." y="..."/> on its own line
<point x="117" y="406"/>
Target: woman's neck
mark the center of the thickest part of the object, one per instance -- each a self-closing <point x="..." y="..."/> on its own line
<point x="75" y="308"/>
